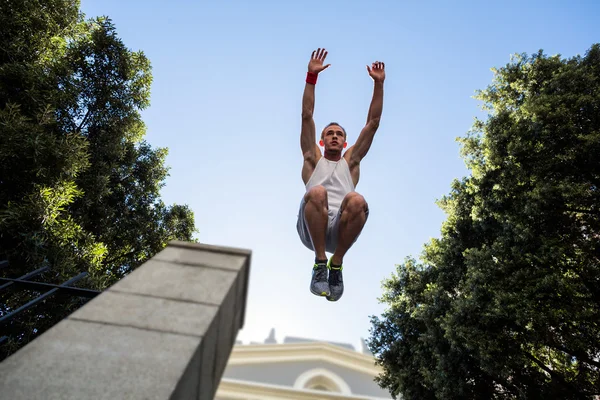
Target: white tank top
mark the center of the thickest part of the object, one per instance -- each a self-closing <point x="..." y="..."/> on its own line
<point x="335" y="177"/>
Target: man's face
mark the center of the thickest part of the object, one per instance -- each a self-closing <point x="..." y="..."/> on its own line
<point x="333" y="138"/>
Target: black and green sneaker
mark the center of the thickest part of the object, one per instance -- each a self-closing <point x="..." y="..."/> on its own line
<point x="336" y="282"/>
<point x="318" y="284"/>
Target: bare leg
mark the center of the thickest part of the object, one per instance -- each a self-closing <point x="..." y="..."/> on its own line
<point x="354" y="215"/>
<point x="315" y="212"/>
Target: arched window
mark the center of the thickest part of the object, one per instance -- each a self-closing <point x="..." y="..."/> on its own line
<point x="322" y="387"/>
<point x="322" y="379"/>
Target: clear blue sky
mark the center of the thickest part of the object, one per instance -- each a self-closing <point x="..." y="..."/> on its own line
<point x="228" y="81"/>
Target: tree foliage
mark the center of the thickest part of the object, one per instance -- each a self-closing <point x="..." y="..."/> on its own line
<point x="506" y="303"/>
<point x="79" y="185"/>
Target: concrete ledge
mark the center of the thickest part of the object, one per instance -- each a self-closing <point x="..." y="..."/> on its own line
<point x="165" y="331"/>
<point x="211" y="248"/>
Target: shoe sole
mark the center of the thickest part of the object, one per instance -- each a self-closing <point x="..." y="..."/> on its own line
<point x="322" y="294"/>
<point x="332" y="298"/>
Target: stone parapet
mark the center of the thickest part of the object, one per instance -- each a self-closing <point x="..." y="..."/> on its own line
<point x="165" y="331"/>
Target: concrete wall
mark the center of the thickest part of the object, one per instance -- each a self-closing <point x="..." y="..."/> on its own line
<point x="165" y="331"/>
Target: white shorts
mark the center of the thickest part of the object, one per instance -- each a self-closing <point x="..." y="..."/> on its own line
<point x="332" y="233"/>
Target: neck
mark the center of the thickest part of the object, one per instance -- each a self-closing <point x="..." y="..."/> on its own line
<point x="332" y="155"/>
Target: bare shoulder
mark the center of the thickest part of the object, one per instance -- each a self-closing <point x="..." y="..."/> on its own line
<point x="310" y="162"/>
<point x="348" y="156"/>
<point x="353" y="165"/>
<point x="318" y="153"/>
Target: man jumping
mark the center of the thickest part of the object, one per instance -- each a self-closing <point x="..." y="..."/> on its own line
<point x="332" y="214"/>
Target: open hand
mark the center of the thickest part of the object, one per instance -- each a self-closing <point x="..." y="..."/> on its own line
<point x="315" y="64"/>
<point x="377" y="71"/>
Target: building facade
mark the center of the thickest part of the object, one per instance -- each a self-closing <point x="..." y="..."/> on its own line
<point x="300" y="369"/>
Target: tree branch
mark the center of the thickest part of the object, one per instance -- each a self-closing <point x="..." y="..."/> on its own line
<point x="121" y="257"/>
<point x="553" y="374"/>
<point x="580" y="356"/>
<point x="84" y="120"/>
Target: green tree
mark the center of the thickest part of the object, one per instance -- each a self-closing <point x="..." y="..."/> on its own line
<point x="506" y="303"/>
<point x="79" y="186"/>
<point x="122" y="185"/>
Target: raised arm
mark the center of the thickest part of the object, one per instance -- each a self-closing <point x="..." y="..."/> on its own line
<point x="364" y="140"/>
<point x="377" y="72"/>
<point x="310" y="150"/>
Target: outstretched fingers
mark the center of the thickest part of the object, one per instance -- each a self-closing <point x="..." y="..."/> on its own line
<point x="317" y="60"/>
<point x="319" y="54"/>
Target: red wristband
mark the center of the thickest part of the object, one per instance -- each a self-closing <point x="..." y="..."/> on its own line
<point x="311" y="78"/>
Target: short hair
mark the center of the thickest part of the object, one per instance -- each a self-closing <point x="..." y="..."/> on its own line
<point x="335" y="123"/>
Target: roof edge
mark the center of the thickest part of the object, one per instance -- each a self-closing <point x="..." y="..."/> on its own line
<point x="289" y="352"/>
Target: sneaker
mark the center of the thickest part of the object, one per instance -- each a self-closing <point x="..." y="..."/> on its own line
<point x="318" y="284"/>
<point x="336" y="282"/>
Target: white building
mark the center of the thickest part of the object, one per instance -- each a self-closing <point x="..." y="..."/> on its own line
<point x="300" y="369"/>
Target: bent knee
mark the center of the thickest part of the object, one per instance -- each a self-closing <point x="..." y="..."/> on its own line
<point x="316" y="194"/>
<point x="356" y="203"/>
